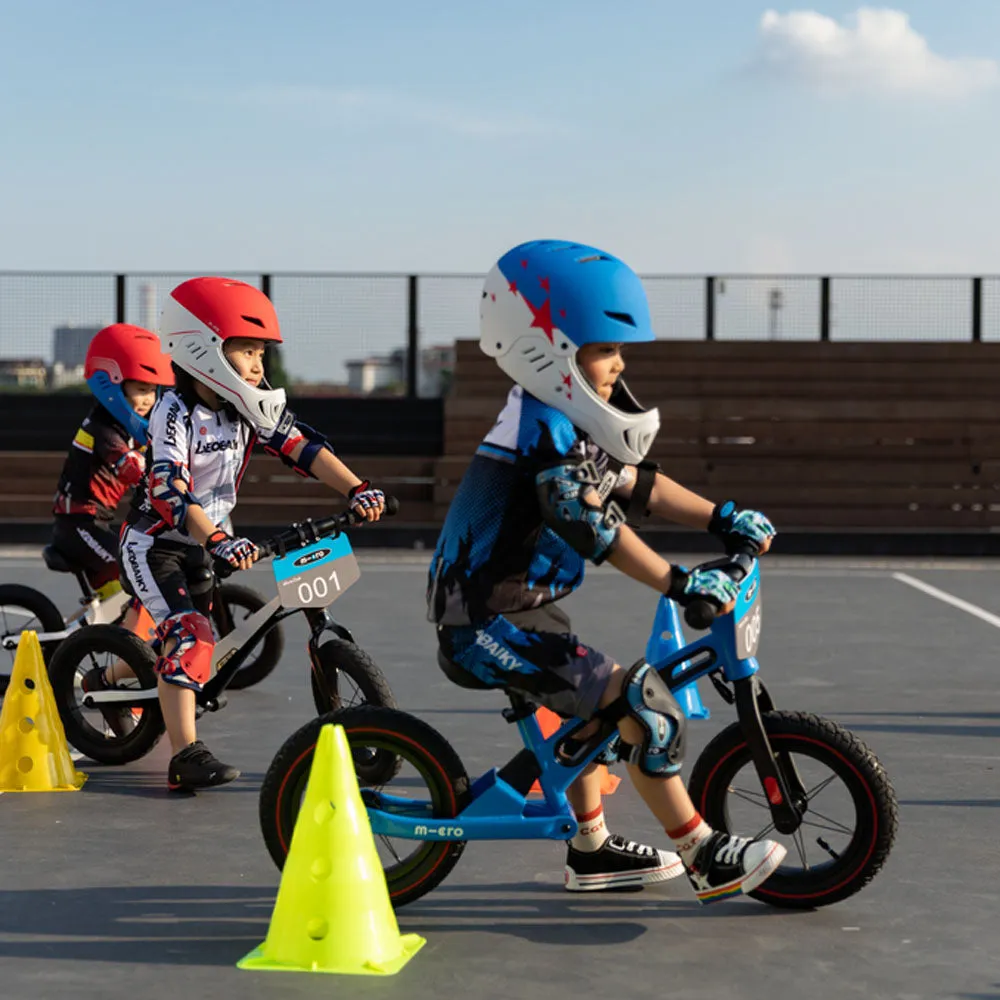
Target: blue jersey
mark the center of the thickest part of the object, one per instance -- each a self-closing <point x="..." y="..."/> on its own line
<point x="495" y="554"/>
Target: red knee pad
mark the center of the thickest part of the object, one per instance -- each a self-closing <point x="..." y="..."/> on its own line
<point x="191" y="659"/>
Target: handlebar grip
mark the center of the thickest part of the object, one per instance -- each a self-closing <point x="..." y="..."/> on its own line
<point x="391" y="506"/>
<point x="700" y="614"/>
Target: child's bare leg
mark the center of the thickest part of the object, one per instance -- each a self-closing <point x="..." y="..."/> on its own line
<point x="120" y="670"/>
<point x="584" y="794"/>
<point x="178" y="705"/>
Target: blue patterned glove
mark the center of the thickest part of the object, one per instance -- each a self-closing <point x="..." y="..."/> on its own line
<point x="701" y="585"/>
<point x="738" y="527"/>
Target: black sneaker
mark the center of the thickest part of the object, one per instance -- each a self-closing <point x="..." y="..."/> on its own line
<point x="196" y="767"/>
<point x="619" y="864"/>
<point x="119" y="719"/>
<point x="726" y="866"/>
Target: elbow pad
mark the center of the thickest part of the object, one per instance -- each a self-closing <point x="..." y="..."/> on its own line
<point x="288" y="435"/>
<point x="590" y="530"/>
<point x="168" y="501"/>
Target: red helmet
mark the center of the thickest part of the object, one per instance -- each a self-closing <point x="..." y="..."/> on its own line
<point x="124" y="352"/>
<point x="203" y="313"/>
<point x="120" y="352"/>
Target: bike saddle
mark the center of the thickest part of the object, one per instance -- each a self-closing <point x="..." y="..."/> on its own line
<point x="55" y="560"/>
<point x="459" y="675"/>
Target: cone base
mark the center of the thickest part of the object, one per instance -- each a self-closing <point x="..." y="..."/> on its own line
<point x="410" y="944"/>
<point x="79" y="780"/>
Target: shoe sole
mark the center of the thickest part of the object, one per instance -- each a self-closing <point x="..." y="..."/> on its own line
<point x="748" y="882"/>
<point x="623" y="881"/>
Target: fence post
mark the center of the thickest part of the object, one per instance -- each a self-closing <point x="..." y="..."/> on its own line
<point x="265" y="284"/>
<point x="710" y="308"/>
<point x="824" y="308"/>
<point x="412" y="338"/>
<point x="119" y="298"/>
<point x="977" y="310"/>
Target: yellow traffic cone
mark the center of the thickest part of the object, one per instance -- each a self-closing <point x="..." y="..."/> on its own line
<point x="34" y="756"/>
<point x="333" y="912"/>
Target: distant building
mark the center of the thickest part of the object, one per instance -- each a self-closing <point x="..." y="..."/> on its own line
<point x="70" y="343"/>
<point x="380" y="371"/>
<point x="376" y="372"/>
<point x="60" y="376"/>
<point x="23" y="373"/>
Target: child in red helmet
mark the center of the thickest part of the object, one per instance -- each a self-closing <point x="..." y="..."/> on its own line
<point x="125" y="369"/>
<point x="201" y="436"/>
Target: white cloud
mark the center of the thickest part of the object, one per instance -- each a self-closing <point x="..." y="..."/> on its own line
<point x="876" y="51"/>
<point x="360" y="104"/>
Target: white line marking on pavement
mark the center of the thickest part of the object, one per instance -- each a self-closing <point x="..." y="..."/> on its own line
<point x="943" y="595"/>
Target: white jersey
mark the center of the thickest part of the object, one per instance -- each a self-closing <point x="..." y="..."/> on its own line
<point x="212" y="447"/>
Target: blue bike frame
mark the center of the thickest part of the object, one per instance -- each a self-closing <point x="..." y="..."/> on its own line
<point x="499" y="811"/>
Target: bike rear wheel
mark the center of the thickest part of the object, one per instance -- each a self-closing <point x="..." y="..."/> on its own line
<point x="87" y="729"/>
<point x="850" y="817"/>
<point x="430" y="771"/>
<point x="24" y="608"/>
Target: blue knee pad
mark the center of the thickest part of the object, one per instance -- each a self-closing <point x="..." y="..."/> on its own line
<point x="647" y="699"/>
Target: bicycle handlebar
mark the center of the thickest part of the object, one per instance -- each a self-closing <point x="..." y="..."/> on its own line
<point x="701" y="613"/>
<point x="298" y="536"/>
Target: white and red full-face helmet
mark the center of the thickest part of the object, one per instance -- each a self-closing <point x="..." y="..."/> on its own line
<point x="199" y="317"/>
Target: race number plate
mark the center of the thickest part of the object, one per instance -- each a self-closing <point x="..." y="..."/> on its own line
<point x="314" y="577"/>
<point x="749" y="624"/>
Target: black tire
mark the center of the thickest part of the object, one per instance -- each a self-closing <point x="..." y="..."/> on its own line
<point x="867" y="843"/>
<point x="32" y="610"/>
<point x="270" y="648"/>
<point x="353" y="678"/>
<point x="369" y="684"/>
<point x="97" y="645"/>
<point x="393" y="732"/>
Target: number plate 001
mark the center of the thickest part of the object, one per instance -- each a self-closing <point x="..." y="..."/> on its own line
<point x="314" y="577"/>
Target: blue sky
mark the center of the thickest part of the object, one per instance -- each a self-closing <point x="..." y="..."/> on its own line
<point x="431" y="137"/>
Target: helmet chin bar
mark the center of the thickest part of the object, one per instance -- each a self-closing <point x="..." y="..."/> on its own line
<point x="626" y="432"/>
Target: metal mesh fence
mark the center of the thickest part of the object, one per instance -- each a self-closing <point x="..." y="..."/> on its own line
<point x="348" y="334"/>
<point x="46" y="322"/>
<point x="344" y="330"/>
<point x="676" y="306"/>
<point x="900" y="308"/>
<point x="767" y="308"/>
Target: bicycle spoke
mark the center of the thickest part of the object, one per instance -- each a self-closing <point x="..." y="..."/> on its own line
<point x="831" y="825"/>
<point x="813" y="792"/>
<point x="800" y="846"/>
<point x="390" y="848"/>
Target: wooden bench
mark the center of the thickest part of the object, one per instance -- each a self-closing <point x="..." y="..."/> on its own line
<point x="890" y="436"/>
<point x="272" y="495"/>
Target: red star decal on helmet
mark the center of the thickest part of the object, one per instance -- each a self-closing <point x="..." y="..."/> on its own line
<point x="542" y="318"/>
<point x="562" y="313"/>
<point x="512" y="287"/>
<point x="524" y="264"/>
<point x="567" y="379"/>
<point x="493" y="296"/>
<point x="544" y="282"/>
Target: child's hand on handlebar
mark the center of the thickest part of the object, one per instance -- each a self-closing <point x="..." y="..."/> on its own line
<point x="739" y="529"/>
<point x="713" y="585"/>
<point x="367" y="501"/>
<point x="240" y="553"/>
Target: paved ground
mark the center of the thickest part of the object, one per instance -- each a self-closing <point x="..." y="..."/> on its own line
<point x="120" y="891"/>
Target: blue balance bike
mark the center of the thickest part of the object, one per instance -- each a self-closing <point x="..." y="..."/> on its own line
<point x="790" y="776"/>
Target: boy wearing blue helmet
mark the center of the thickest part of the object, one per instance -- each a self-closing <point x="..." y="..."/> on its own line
<point x="535" y="505"/>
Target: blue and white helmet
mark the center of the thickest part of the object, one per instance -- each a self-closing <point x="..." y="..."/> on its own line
<point x="541" y="303"/>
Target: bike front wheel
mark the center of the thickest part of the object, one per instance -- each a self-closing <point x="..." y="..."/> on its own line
<point x="849" y="809"/>
<point x="430" y="774"/>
